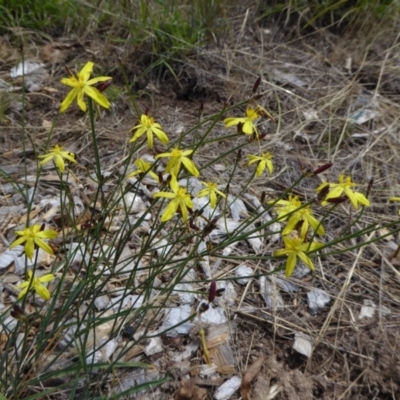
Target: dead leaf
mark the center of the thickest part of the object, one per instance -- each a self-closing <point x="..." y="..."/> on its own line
<point x="189" y="391"/>
<point x="248" y="377"/>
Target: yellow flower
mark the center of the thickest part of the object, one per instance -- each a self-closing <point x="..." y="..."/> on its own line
<point x="294" y="247"/>
<point x="150" y="127"/>
<point x="83" y="85"/>
<point x="395" y="199"/>
<point x="293" y="211"/>
<point x="36" y="284"/>
<point x="177" y="158"/>
<point x="343" y="187"/>
<point x="263" y="161"/>
<point x="57" y="154"/>
<point x="180" y="201"/>
<point x="248" y="122"/>
<point x="33" y="236"/>
<point x="144" y="168"/>
<point x="211" y="190"/>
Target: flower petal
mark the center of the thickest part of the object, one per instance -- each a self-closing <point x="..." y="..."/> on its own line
<point x="29" y="248"/>
<point x="167" y="195"/>
<point x="47" y="234"/>
<point x="233" y="121"/>
<point x="248" y="127"/>
<point x="81" y="103"/>
<point x="162" y="136"/>
<point x="170" y="210"/>
<point x="306" y="260"/>
<point x="93" y="81"/>
<point x="149" y="139"/>
<point x="46" y="278"/>
<point x="189" y="164"/>
<point x="39" y="242"/>
<point x="86" y="71"/>
<point x="290" y="264"/>
<point x="69" y="99"/>
<point x="42" y="291"/>
<point x="97" y="96"/>
<point x="18" y="241"/>
<point x="71" y="82"/>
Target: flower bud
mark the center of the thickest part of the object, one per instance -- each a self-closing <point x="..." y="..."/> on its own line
<point x="102" y="86"/>
<point x="322" y="168"/>
<point x="212" y="292"/>
<point x="337" y="200"/>
<point x="256" y="84"/>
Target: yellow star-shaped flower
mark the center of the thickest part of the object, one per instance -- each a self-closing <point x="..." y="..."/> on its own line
<point x="294" y="247"/>
<point x="343" y="187"/>
<point x="211" y="190"/>
<point x="81" y="85"/>
<point x="33" y="283"/>
<point x="177" y="158"/>
<point x="58" y="155"/>
<point x="33" y="237"/>
<point x="144" y="168"/>
<point x="263" y="161"/>
<point x="180" y="201"/>
<point x="248" y="121"/>
<point x="293" y="211"/>
<point x="149" y="126"/>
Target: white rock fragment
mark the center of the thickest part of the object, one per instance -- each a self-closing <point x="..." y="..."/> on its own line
<point x="253" y="201"/>
<point x="204" y="260"/>
<point x="286" y="285"/>
<point x="369" y="307"/>
<point x="362" y="116"/>
<point x="303" y="344"/>
<point x="173" y="321"/>
<point x="213" y="316"/>
<point x="223" y="227"/>
<point x="242" y="272"/>
<point x="25" y="68"/>
<point x="186" y="354"/>
<point x="254" y="239"/>
<point x="229" y="295"/>
<point x="77" y="253"/>
<point x="192" y="185"/>
<point x="153" y="347"/>
<point x="367" y="310"/>
<point x="310" y="115"/>
<point x="101" y="302"/>
<point x="9" y="256"/>
<point x="103" y="352"/>
<point x="219" y="167"/>
<point x="132" y="203"/>
<point x="317" y="299"/>
<point x="123" y="302"/>
<point x="228" y="388"/>
<point x="162" y="248"/>
<point x="136" y="377"/>
<point x="270" y="293"/>
<point x="237" y="207"/>
<point x="21" y="261"/>
<point x="301" y="271"/>
<point x="273" y="232"/>
<point x="34" y="74"/>
<point x="288" y="78"/>
<point x="203" y="203"/>
<point x="206" y="371"/>
<point x="185" y="291"/>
